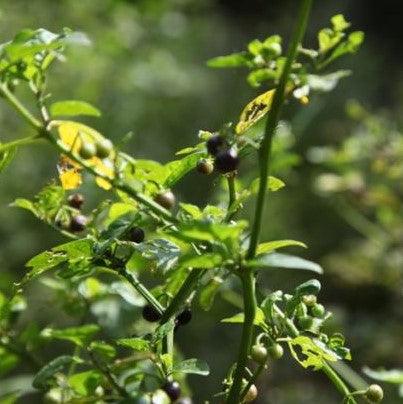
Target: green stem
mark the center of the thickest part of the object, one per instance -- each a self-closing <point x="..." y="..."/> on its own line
<point x="336" y="380"/>
<point x="142" y="290"/>
<point x="19" y="142"/>
<point x="183" y="293"/>
<point x="272" y="120"/>
<point x="249" y="295"/>
<point x="231" y="197"/>
<point x="15" y="103"/>
<point x="107" y="373"/>
<point x="252" y="380"/>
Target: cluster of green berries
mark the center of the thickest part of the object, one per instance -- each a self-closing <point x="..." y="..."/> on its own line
<point x="226" y="158"/>
<point x="101" y="149"/>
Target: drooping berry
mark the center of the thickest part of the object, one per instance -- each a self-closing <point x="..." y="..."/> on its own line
<point x="75" y="201"/>
<point x="136" y="234"/>
<point x="251" y="394"/>
<point x="374" y="393"/>
<point x="78" y="223"/>
<point x="275" y="351"/>
<point x="150" y="314"/>
<point x="166" y="199"/>
<point x="184" y="317"/>
<point x="216" y="144"/>
<point x="173" y="390"/>
<point x="87" y="150"/>
<point x="205" y="167"/>
<point x="305" y="322"/>
<point x="103" y="148"/>
<point x="259" y="353"/>
<point x="226" y="161"/>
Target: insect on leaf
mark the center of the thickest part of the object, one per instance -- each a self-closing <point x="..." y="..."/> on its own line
<point x="254" y="111"/>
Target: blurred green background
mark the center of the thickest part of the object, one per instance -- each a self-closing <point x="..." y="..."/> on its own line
<point x="146" y="70"/>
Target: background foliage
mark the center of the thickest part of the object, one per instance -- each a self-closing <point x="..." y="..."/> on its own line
<point x="146" y="69"/>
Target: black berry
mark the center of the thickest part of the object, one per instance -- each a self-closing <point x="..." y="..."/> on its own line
<point x="173" y="390"/>
<point x="184" y="317"/>
<point x="216" y="144"/>
<point x="205" y="167"/>
<point x="75" y="201"/>
<point x="151" y="314"/>
<point x="226" y="161"/>
<point x="166" y="199"/>
<point x="136" y="234"/>
<point x="103" y="148"/>
<point x="78" y="223"/>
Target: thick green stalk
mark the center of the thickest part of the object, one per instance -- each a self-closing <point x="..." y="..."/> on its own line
<point x="264" y="159"/>
<point x="183" y="293"/>
<point x="336" y="380"/>
<point x="272" y="120"/>
<point x="249" y="296"/>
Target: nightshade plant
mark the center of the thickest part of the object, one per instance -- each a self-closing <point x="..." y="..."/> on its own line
<point x="143" y="230"/>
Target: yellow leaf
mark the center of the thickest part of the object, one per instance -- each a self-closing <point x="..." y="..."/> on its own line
<point x="105" y="168"/>
<point x="254" y="111"/>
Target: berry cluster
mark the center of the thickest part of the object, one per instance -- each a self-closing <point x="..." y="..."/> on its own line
<point x="226" y="158"/>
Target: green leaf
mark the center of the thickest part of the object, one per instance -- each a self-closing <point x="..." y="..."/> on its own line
<point x="177" y="169"/>
<point x="162" y="253"/>
<point x="207" y="260"/>
<point x="8" y="361"/>
<point x="79" y="336"/>
<point x="208" y="293"/>
<point x="270" y="246"/>
<point x="255" y="47"/>
<point x="328" y="39"/>
<point x="6" y="157"/>
<point x="26" y="204"/>
<point x="207" y="231"/>
<point x="273" y="184"/>
<point x="311" y="287"/>
<point x="394" y="376"/>
<point x="327" y="82"/>
<point x="9" y="398"/>
<point x="73" y="108"/>
<point x="162" y="331"/>
<point x="234" y="60"/>
<point x="351" y="45"/>
<point x="192" y="366"/>
<point x="277" y="260"/>
<point x="85" y="383"/>
<point x="260" y="319"/>
<point x="137" y="344"/>
<point x="313" y="352"/>
<point x="44" y="376"/>
<point x="103" y="349"/>
<point x="257" y="77"/>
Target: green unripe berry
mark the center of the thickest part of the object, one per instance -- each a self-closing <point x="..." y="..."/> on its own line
<point x="309" y="300"/>
<point x="275" y="351"/>
<point x="318" y="310"/>
<point x="374" y="393"/>
<point x="305" y="322"/>
<point x="205" y="167"/>
<point x="273" y="49"/>
<point x="87" y="151"/>
<point x="104" y="148"/>
<point x="259" y="353"/>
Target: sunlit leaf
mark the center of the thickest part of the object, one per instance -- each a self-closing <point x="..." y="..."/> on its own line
<point x="233" y="60"/>
<point x="275" y="245"/>
<point x="136" y="344"/>
<point x="192" y="366"/>
<point x="72" y="108"/>
<point x="254" y="111"/>
<point x="260" y="319"/>
<point x="77" y="335"/>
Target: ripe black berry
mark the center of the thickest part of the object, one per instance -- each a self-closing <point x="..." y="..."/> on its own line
<point x="75" y="201"/>
<point x="184" y="317"/>
<point x="78" y="223"/>
<point x="103" y="148"/>
<point x="216" y="144"/>
<point x="87" y="151"/>
<point x="166" y="199"/>
<point x="136" y="234"/>
<point x="205" y="167"/>
<point x="226" y="161"/>
<point x="151" y="314"/>
<point x="173" y="390"/>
